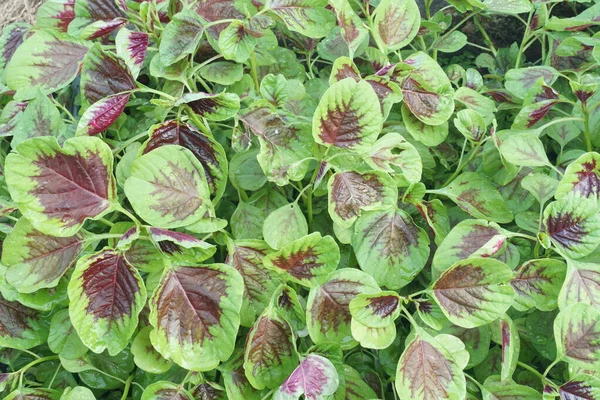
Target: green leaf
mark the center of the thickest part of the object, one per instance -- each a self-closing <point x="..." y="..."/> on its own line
<point x="236" y="42"/>
<point x="431" y="357"/>
<point x="451" y="43"/>
<point x="40" y="118"/>
<point x="496" y="389"/>
<point x="195" y="314"/>
<point x="145" y="356"/>
<point x="475" y="194"/>
<point x="78" y="393"/>
<point x="395" y="24"/>
<point x="308" y="17"/>
<point x="348" y="116"/>
<point x="581" y="285"/>
<point x="307" y="261"/>
<point x="475" y="101"/>
<point x="393" y="154"/>
<point x="327" y="310"/>
<point x="471" y="124"/>
<point x="63" y="338"/>
<point x="373" y="337"/>
<point x="524" y="149"/>
<point x="270" y="351"/>
<point x="573" y="224"/>
<point x="429" y="135"/>
<point x="356" y="387"/>
<point x="351" y="193"/>
<point x="222" y="72"/>
<point x="577" y="334"/>
<point x="537" y="283"/>
<point x="541" y="186"/>
<point x="474" y="292"/>
<point x="284" y="225"/>
<point x="390" y="247"/>
<point x="46" y="182"/>
<point x="35" y="260"/>
<point x="46" y="60"/>
<point x="180" y="37"/>
<point x="168" y="187"/>
<point x="106" y="295"/>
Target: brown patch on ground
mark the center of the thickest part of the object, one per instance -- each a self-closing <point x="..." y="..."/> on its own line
<point x="18" y="10"/>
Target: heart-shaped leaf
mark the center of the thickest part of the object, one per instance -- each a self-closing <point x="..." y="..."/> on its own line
<point x="56" y="188"/>
<point x="284" y="225"/>
<point x="474" y="292"/>
<point x="195" y="314"/>
<point x="145" y="356"/>
<point x="35" y="260"/>
<point x="316" y="377"/>
<point x="390" y="247"/>
<point x="107" y="294"/>
<point x="168" y="187"/>
<point x="375" y="310"/>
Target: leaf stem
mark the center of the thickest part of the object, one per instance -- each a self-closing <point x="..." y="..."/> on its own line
<point x="460" y="167"/>
<point x="486" y="37"/>
<point x="34" y="363"/>
<point x="126" y="388"/>
<point x="129" y="215"/>
<point x="199" y="124"/>
<point x="254" y="71"/>
<point x="547" y="371"/>
<point x="586" y="128"/>
<point x="409" y="316"/>
<point x="129" y="141"/>
<point x="522" y="46"/>
<point x="534" y="371"/>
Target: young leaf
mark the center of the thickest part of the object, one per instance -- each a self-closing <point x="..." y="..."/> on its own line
<point x="207" y="150"/>
<point x="195" y="315"/>
<point x="131" y="47"/>
<point x="164" y="390"/>
<point x="40" y="118"/>
<point x="63" y="338"/>
<point x="477" y="196"/>
<point x="145" y="356"/>
<point x="351" y="193"/>
<point x="222" y="72"/>
<point x="511" y="346"/>
<point x="390" y="247"/>
<point x="316" y="377"/>
<point x="35" y="260"/>
<point x="581" y="285"/>
<point x="284" y="225"/>
<point x="524" y="150"/>
<point x="270" y="352"/>
<point x="541" y="186"/>
<point x="168" y="187"/>
<point x="175" y="244"/>
<point x="107" y="294"/>
<point x="474" y="292"/>
<point x="46" y="60"/>
<point x="395" y="24"/>
<point x="307" y="261"/>
<point x="327" y="310"/>
<point x="428" y="370"/>
<point x="537" y="283"/>
<point x="577" y="334"/>
<point x="21" y="327"/>
<point x="56" y="188"/>
<point x="213" y="107"/>
<point x="573" y="225"/>
<point x="236" y="42"/>
<point x="308" y="17"/>
<point x="353" y="30"/>
<point x="181" y="37"/>
<point x="471" y="124"/>
<point x="102" y="114"/>
<point x="259" y="282"/>
<point x="582" y="177"/>
<point x="348" y="116"/>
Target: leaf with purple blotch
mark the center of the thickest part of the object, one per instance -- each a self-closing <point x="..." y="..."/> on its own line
<point x="180" y="37"/>
<point x="537" y="283"/>
<point x="308" y="17"/>
<point x="475" y="101"/>
<point x="573" y="225"/>
<point x="164" y="390"/>
<point x="469" y="238"/>
<point x="315" y="378"/>
<point x="103" y="74"/>
<point x="429" y="105"/>
<point x="21" y="327"/>
<point x="106" y="296"/>
<point x="541" y="186"/>
<point x="195" y="314"/>
<point x="128" y="238"/>
<point x="511" y="346"/>
<point x="577" y="334"/>
<point x="395" y="24"/>
<point x="11" y="38"/>
<point x="307" y="261"/>
<point x="581" y="285"/>
<point x="373" y="317"/>
<point x="390" y="247"/>
<point x="236" y="42"/>
<point x="582" y="177"/>
<point x="55" y="14"/>
<point x="393" y="154"/>
<point x="35" y="260"/>
<point x="387" y="91"/>
<point x="102" y="114"/>
<point x="351" y="26"/>
<point x="474" y="292"/>
<point x="476" y="195"/>
<point x="342" y="68"/>
<point x="327" y="311"/>
<point x="538" y="102"/>
<point x="429" y="368"/>
<point x="588" y="17"/>
<point x="168" y="187"/>
<point x="217" y="10"/>
<point x="207" y="150"/>
<point x="351" y="193"/>
<point x="519" y="81"/>
<point x="471" y="124"/>
<point x="270" y="354"/>
<point x="131" y="47"/>
<point x="348" y="116"/>
<point x="581" y="387"/>
<point x="10" y="116"/>
<point x="40" y="118"/>
<point x="214" y="107"/>
<point x="96" y="18"/>
<point x="34" y="393"/>
<point x="56" y="188"/>
<point x="48" y="60"/>
<point x="259" y="282"/>
<point x="180" y="247"/>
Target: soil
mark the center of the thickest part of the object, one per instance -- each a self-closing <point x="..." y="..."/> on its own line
<point x="17" y="10"/>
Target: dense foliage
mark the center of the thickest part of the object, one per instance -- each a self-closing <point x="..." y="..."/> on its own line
<point x="256" y="199"/>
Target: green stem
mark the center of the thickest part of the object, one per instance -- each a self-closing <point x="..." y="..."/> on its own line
<point x="103" y="236"/>
<point x="533" y="371"/>
<point x="130" y="141"/>
<point x="547" y="371"/>
<point x="145" y="89"/>
<point x="34" y="363"/>
<point x="523" y="42"/>
<point x="408" y="316"/>
<point x="64" y="109"/>
<point x="254" y="71"/>
<point x="309" y="196"/>
<point x="486" y="37"/>
<point x="586" y="128"/>
<point x="129" y="215"/>
<point x="460" y="167"/>
<point x="106" y="222"/>
<point x="126" y="388"/>
<point x="199" y="124"/>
